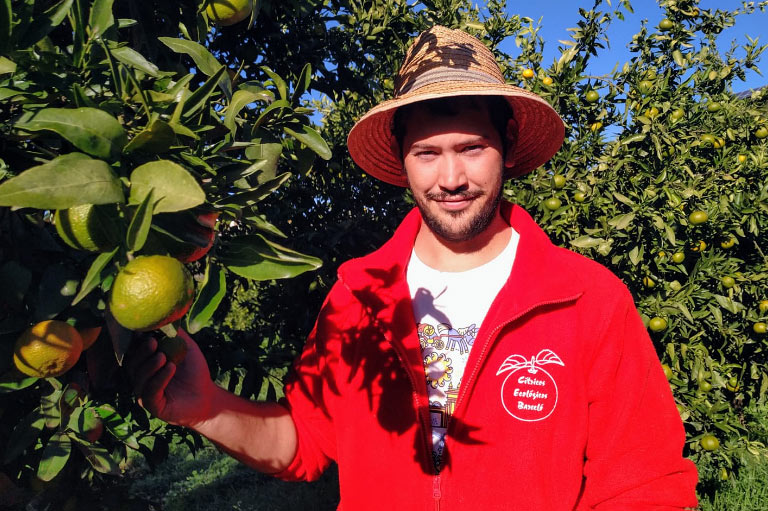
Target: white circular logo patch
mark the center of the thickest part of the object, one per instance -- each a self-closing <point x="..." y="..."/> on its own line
<point x="529" y="393"/>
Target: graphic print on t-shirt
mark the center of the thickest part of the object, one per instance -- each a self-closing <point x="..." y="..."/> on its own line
<point x="445" y="350"/>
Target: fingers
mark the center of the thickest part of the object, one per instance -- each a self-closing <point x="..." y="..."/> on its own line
<point x="142" y="362"/>
<point x="153" y="390"/>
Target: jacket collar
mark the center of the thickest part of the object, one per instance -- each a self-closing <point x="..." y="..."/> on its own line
<point x="540" y="274"/>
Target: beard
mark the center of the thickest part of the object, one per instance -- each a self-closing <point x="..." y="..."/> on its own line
<point x="460" y="225"/>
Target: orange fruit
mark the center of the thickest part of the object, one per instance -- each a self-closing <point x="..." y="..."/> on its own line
<point x="89" y="336"/>
<point x="547" y="80"/>
<point x="528" y="73"/>
<point x="88" y="227"/>
<point x="48" y="349"/>
<point x="228" y="12"/>
<point x="151" y="291"/>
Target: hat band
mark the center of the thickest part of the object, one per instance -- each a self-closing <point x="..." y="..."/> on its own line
<point x="446" y="75"/>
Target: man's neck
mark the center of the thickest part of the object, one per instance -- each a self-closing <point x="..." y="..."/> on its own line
<point x="456" y="256"/>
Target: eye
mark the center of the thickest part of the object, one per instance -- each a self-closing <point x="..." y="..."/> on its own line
<point x="474" y="148"/>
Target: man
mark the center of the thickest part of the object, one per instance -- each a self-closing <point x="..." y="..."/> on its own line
<point x="468" y="363"/>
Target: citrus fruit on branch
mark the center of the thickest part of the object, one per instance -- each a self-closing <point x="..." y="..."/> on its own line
<point x="150" y="292"/>
<point x="229" y="12"/>
<point x="88" y="227"/>
<point x="185" y="236"/>
<point x="47" y="349"/>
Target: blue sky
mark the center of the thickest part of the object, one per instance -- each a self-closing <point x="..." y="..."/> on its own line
<point x="558" y="15"/>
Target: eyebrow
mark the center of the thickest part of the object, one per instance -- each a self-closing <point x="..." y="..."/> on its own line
<point x="469" y="141"/>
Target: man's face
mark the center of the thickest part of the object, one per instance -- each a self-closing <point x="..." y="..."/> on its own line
<point x="454" y="167"/>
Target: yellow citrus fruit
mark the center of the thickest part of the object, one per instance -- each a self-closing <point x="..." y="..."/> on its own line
<point x="89" y="336"/>
<point x="228" y="12"/>
<point x="528" y="73"/>
<point x="709" y="442"/>
<point x="698" y="217"/>
<point x="763" y="306"/>
<point x="547" y="80"/>
<point x="88" y="227"/>
<point x="151" y="291"/>
<point x="595" y="126"/>
<point x="47" y="349"/>
<point x="174" y="348"/>
<point x="558" y="181"/>
<point x="760" y="327"/>
<point x="657" y="324"/>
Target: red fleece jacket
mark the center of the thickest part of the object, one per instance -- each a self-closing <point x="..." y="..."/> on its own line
<point x="563" y="404"/>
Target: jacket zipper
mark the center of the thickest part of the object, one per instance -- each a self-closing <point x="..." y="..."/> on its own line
<point x="463" y="390"/>
<point x="436" y="492"/>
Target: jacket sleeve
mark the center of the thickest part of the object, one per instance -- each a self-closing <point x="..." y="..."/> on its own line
<point x="310" y="391"/>
<point x="634" y="448"/>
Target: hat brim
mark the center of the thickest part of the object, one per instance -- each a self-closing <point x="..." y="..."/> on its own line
<point x="373" y="147"/>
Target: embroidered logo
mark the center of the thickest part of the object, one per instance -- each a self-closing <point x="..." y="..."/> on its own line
<point x="529" y="393"/>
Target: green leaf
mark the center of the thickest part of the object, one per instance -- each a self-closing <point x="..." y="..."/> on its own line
<point x="282" y="87"/>
<point x="24" y="434"/>
<point x="134" y="59"/>
<point x="117" y="425"/>
<point x="100" y="459"/>
<point x="302" y="84"/>
<point x="212" y="292"/>
<point x="204" y="61"/>
<point x="157" y="138"/>
<point x="44" y="23"/>
<point x="55" y="456"/>
<point x="254" y="257"/>
<point x="91" y="130"/>
<point x="621" y="222"/>
<point x="586" y="241"/>
<point x="65" y="181"/>
<point x="94" y="276"/>
<point x="10" y="383"/>
<point x="101" y="17"/>
<point x="265" y="148"/>
<point x="174" y="187"/>
<point x="310" y="138"/>
<point x="200" y="97"/>
<point x="240" y="99"/>
<point x="251" y="197"/>
<point x="271" y="110"/>
<point x="729" y="304"/>
<point x="140" y="224"/>
<point x="6" y="65"/>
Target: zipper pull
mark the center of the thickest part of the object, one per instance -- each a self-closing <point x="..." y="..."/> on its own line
<point x="436" y="493"/>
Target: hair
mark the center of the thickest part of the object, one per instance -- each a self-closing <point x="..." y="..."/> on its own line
<point x="498" y="108"/>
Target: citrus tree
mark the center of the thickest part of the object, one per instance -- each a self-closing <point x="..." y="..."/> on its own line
<point x="662" y="178"/>
<point x="129" y="200"/>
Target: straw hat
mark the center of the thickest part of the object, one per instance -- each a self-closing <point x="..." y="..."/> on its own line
<point x="443" y="62"/>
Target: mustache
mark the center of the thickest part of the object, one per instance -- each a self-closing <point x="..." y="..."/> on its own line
<point x="464" y="194"/>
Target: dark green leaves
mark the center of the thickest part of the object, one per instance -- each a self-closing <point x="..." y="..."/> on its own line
<point x="66" y="181"/>
<point x="311" y="138"/>
<point x="255" y="257"/>
<point x="91" y="130"/>
<point x="175" y="189"/>
<point x="209" y="297"/>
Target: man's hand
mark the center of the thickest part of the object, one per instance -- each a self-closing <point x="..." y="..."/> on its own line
<point x="180" y="395"/>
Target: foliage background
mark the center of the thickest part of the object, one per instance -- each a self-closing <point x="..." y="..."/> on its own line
<point x="634" y="169"/>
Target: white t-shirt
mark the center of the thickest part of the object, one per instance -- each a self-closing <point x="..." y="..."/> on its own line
<point x="449" y="308"/>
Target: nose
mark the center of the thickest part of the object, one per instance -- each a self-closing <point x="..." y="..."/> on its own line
<point x="453" y="176"/>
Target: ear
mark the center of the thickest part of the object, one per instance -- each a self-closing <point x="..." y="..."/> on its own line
<point x="510" y="142"/>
